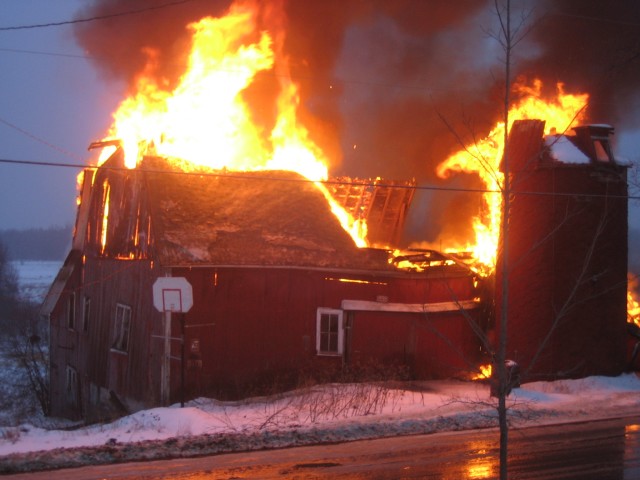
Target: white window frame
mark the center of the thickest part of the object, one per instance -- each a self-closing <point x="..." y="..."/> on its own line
<point x="122" y="328"/>
<point x="320" y="314"/>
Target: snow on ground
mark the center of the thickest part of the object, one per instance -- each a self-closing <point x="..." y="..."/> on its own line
<point x="35" y="277"/>
<point x="329" y="413"/>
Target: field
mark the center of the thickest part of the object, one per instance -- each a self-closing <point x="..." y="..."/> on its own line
<point x="18" y="403"/>
<point x="35" y="277"/>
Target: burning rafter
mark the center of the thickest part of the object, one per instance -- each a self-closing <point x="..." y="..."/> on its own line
<point x="383" y="204"/>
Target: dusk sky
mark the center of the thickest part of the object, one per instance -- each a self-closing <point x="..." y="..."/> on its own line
<point x="53" y="104"/>
<point x="55" y="100"/>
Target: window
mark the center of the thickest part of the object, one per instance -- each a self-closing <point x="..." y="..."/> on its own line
<point x="71" y="311"/>
<point x="329" y="332"/>
<point x="602" y="150"/>
<point x="94" y="394"/>
<point x="122" y="327"/>
<point x="86" y="311"/>
<point x="72" y="387"/>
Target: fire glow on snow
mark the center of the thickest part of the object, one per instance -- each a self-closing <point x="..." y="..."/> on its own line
<point x="334" y="413"/>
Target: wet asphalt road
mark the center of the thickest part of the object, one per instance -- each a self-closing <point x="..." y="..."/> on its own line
<point x="601" y="450"/>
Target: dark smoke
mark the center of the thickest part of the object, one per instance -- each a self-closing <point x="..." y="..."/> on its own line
<point x="117" y="44"/>
<point x="378" y="77"/>
<point x="591" y="46"/>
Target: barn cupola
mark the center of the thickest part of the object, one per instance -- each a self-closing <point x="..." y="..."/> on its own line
<point x="595" y="142"/>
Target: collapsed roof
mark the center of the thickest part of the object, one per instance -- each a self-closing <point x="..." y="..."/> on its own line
<point x="206" y="217"/>
<point x="246" y="218"/>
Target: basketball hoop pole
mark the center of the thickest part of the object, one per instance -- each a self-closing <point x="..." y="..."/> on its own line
<point x="166" y="361"/>
<point x="172" y="294"/>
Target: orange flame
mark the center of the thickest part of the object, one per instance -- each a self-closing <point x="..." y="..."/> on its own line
<point x="483" y="159"/>
<point x="105" y="216"/>
<point x="484" y="372"/>
<point x="633" y="304"/>
<point x="206" y="121"/>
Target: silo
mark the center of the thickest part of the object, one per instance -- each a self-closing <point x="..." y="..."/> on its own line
<point x="566" y="256"/>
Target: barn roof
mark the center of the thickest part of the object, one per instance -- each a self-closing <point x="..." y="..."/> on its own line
<point x="59" y="285"/>
<point x="270" y="218"/>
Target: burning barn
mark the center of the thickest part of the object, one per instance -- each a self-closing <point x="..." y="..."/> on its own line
<point x="213" y="175"/>
<point x="280" y="292"/>
<point x="566" y="260"/>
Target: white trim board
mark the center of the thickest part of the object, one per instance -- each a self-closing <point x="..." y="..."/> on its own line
<point x="368" y="306"/>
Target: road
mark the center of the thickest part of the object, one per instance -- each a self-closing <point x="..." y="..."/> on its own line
<point x="608" y="449"/>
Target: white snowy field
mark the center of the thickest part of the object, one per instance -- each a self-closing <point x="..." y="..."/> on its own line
<point x="35" y="277"/>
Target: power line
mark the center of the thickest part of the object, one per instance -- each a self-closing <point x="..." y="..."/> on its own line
<point x="227" y="174"/>
<point x="98" y="17"/>
<point x="181" y="2"/>
<point x="40" y="140"/>
<point x="48" y="54"/>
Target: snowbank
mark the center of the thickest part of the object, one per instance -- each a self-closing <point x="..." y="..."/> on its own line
<point x="332" y="413"/>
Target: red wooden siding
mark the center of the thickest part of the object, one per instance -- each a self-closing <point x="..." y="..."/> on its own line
<point x="427" y="345"/>
<point x="255" y="330"/>
<point x="255" y="324"/>
<point x="567" y="265"/>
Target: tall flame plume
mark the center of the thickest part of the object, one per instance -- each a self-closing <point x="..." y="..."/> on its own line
<point x="206" y="120"/>
<point x="483" y="157"/>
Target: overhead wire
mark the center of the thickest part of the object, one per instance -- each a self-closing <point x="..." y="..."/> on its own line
<point x="181" y="2"/>
<point x="97" y="17"/>
<point x="48" y="54"/>
<point x="228" y="174"/>
<point x="40" y="140"/>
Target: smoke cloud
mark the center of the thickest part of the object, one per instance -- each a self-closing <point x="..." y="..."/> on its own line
<point x="592" y="47"/>
<point x="390" y="88"/>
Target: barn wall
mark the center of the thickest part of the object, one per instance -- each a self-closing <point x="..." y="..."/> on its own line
<point x="121" y="379"/>
<point x="591" y="252"/>
<point x="64" y="349"/>
<point x="256" y="328"/>
<point x="105" y="276"/>
<point x="133" y="374"/>
<point x="253" y="325"/>
<point x="423" y="346"/>
<point x="250" y="330"/>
